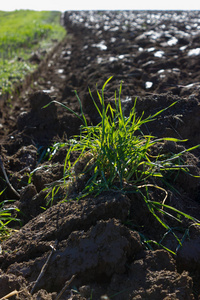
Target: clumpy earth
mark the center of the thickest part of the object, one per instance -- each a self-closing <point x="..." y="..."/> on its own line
<point x="96" y="248"/>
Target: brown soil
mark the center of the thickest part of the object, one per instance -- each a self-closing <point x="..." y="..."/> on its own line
<point x="101" y="240"/>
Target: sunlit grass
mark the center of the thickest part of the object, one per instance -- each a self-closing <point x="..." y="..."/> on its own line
<point x="115" y="155"/>
<point x="22" y="32"/>
<point x="120" y="154"/>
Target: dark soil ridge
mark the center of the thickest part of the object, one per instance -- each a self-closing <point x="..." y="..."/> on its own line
<point x="95" y="239"/>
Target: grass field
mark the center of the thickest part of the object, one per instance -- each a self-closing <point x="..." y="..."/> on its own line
<point x="21" y="33"/>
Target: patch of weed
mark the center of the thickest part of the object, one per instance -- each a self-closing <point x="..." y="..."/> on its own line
<point x="6" y="217"/>
<point x="117" y="155"/>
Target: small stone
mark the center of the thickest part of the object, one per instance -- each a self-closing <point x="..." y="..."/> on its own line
<point x="85" y="291"/>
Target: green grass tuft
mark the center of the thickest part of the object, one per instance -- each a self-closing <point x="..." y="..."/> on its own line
<point x="117" y="156"/>
<point x="120" y="154"/>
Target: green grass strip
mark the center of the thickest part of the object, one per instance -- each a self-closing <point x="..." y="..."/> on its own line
<point x="21" y="33"/>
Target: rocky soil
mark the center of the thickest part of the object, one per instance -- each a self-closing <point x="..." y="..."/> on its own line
<point x="95" y="248"/>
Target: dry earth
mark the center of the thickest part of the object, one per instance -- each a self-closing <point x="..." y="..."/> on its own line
<point x="98" y="243"/>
